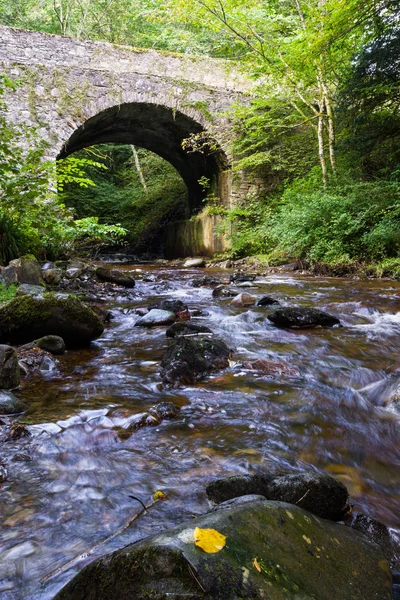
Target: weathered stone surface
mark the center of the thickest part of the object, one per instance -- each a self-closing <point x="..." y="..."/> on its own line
<point x="244" y="299"/>
<point x="223" y="292"/>
<point x="194" y="262"/>
<point x="27" y="317"/>
<point x="175" y="306"/>
<point x="52" y="276"/>
<point x="9" y="404"/>
<point x="322" y="495"/>
<point x="26" y="289"/>
<point x="9" y="369"/>
<point x="302" y="318"/>
<point x="273" y="551"/>
<point x="267" y="301"/>
<point x="23" y="270"/>
<point x="156" y="317"/>
<point x="188" y="359"/>
<point x="118" y="276"/>
<point x="186" y="329"/>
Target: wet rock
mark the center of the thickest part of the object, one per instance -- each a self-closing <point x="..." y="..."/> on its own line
<point x="165" y="410"/>
<point x="194" y="262"/>
<point x="225" y="489"/>
<point x="302" y="318"/>
<point x="244" y="299"/>
<point x="17" y="431"/>
<point x="118" y="276"/>
<point x="238" y="277"/>
<point x="47" y="364"/>
<point x="26" y="318"/>
<point x="271" y="368"/>
<point x="153" y="417"/>
<point x="26" y="289"/>
<point x="9" y="368"/>
<point x="267" y="301"/>
<point x="175" y="306"/>
<point x="205" y="281"/>
<point x="188" y="359"/>
<point x="155" y="318"/>
<point x="273" y="550"/>
<point x="3" y="473"/>
<point x="51" y="343"/>
<point x="23" y="270"/>
<point x="9" y="404"/>
<point x="138" y="311"/>
<point x="186" y="329"/>
<point x="74" y="272"/>
<point x="375" y="531"/>
<point x="322" y="495"/>
<point x="31" y="358"/>
<point x="223" y="292"/>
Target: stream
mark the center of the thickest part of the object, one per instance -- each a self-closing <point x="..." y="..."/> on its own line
<point x="70" y="484"/>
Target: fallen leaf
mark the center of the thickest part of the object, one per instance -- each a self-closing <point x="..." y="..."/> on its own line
<point x="209" y="540"/>
<point x="159" y="495"/>
<point x="306" y="539"/>
<point x="256" y="565"/>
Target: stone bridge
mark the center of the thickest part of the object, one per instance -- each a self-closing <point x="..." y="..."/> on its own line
<point x="81" y="93"/>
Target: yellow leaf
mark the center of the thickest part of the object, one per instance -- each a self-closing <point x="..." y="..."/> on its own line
<point x="209" y="540"/>
<point x="159" y="495"/>
<point x="306" y="539"/>
<point x="257" y="566"/>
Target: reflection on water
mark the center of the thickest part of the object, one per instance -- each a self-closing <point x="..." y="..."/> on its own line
<point x="70" y="483"/>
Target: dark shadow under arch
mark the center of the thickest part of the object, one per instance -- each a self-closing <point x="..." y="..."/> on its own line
<point x="158" y="129"/>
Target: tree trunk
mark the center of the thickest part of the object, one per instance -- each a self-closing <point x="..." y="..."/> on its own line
<point x="138" y="168"/>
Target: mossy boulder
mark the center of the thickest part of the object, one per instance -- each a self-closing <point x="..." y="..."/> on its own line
<point x="27" y="317"/>
<point x="273" y="551"/>
<point x="188" y="359"/>
<point x="302" y="317"/>
<point x="23" y="270"/>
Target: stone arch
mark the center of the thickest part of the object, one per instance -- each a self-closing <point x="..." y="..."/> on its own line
<point x="160" y="129"/>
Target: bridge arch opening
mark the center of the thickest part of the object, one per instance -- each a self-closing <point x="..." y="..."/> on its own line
<point x="161" y="130"/>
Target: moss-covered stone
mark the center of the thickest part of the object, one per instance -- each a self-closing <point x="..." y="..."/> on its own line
<point x="26" y="318"/>
<point x="273" y="551"/>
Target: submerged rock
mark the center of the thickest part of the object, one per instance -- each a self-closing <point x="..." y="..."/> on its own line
<point x="205" y="281"/>
<point x="302" y="317"/>
<point x="27" y="317"/>
<point x="272" y="550"/>
<point x="156" y="317"/>
<point x="222" y="291"/>
<point x="271" y="368"/>
<point x="118" y="276"/>
<point x="186" y="329"/>
<point x="153" y="417"/>
<point x="9" y="404"/>
<point x="9" y="368"/>
<point x="23" y="270"/>
<point x="240" y="277"/>
<point x="322" y="495"/>
<point x="187" y="359"/>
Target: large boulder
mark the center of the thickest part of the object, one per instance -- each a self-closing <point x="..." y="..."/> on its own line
<point x="320" y="494"/>
<point x="9" y="368"/>
<point x="302" y="317"/>
<point x="28" y="317"/>
<point x="23" y="270"/>
<point x="188" y="359"/>
<point x="9" y="404"/>
<point x="272" y="550"/>
<point x="118" y="276"/>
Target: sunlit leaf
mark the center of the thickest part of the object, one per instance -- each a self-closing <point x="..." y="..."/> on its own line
<point x="209" y="540"/>
<point x="159" y="495"/>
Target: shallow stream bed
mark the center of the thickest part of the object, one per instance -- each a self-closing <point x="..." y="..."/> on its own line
<point x="70" y="486"/>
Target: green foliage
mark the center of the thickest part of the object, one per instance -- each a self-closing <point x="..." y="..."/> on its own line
<point x="7" y="292"/>
<point x="119" y="196"/>
<point x="351" y="221"/>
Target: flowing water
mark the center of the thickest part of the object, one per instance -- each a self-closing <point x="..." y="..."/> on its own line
<point x="70" y="484"/>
